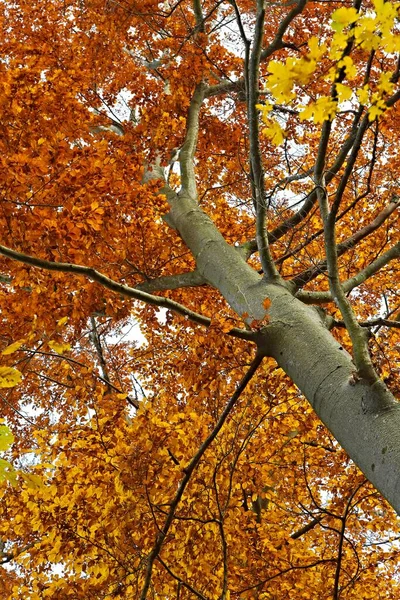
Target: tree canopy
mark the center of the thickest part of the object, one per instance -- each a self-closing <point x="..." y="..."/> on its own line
<point x="199" y="299"/>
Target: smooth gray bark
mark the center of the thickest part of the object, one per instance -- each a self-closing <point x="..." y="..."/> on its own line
<point x="364" y="419"/>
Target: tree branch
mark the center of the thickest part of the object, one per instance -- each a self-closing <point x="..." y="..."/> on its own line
<point x="379" y="322"/>
<point x="277" y="42"/>
<point x="312" y="272"/>
<point x="257" y="171"/>
<point x="357" y="334"/>
<point x="311" y="199"/>
<point x="95" y="338"/>
<point x="190" y="469"/>
<point x="353" y="282"/>
<point x="313" y="523"/>
<point x="181" y="581"/>
<point x="198" y="13"/>
<point x="314" y="236"/>
<point x="171" y="282"/>
<point x="239" y="22"/>
<point x="187" y="152"/>
<point x="120" y="288"/>
<point x="365" y="124"/>
<point x="226" y="87"/>
<point x="343" y="519"/>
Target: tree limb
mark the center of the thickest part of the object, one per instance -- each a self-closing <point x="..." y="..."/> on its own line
<point x="180" y="580"/>
<point x="353" y="282"/>
<point x="312" y="272"/>
<point x="257" y="171"/>
<point x="187" y="152"/>
<point x="379" y="322"/>
<point x="276" y="44"/>
<point x="171" y="282"/>
<point x="311" y="199"/>
<point x="120" y="288"/>
<point x="198" y="13"/>
<point x="362" y="358"/>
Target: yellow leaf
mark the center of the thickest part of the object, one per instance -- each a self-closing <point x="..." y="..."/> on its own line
<point x="59" y="347"/>
<point x="349" y="67"/>
<point x="338" y="44"/>
<point x="13" y="347"/>
<point x="62" y="321"/>
<point x="365" y="33"/>
<point x="386" y="84"/>
<point x="363" y="95"/>
<point x="274" y="132"/>
<point x="342" y="17"/>
<point x="280" y="82"/>
<point x="317" y="50"/>
<point x="41" y="141"/>
<point x="343" y="92"/>
<point x="374" y="112"/>
<point x="7" y="472"/>
<point x="6" y="437"/>
<point x="322" y="110"/>
<point x="33" y="482"/>
<point x="264" y="109"/>
<point x="9" y="377"/>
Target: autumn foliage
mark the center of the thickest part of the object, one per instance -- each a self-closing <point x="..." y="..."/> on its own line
<point x="147" y="449"/>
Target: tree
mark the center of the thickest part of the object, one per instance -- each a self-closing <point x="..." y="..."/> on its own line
<point x="233" y="453"/>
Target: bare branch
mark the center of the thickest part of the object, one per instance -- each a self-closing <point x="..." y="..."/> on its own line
<point x="226" y="87"/>
<point x="198" y="13"/>
<point x="239" y="22"/>
<point x="315" y="235"/>
<point x="359" y="340"/>
<point x="313" y="523"/>
<point x="95" y="338"/>
<point x="380" y="322"/>
<point x="311" y="199"/>
<point x="181" y="581"/>
<point x="365" y="124"/>
<point x="260" y="584"/>
<point x="342" y="537"/>
<point x="277" y="42"/>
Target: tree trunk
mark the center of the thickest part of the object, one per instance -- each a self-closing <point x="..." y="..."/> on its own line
<point x="364" y="419"/>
